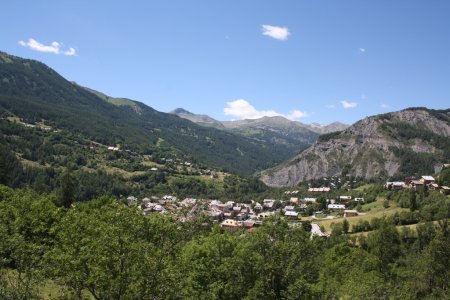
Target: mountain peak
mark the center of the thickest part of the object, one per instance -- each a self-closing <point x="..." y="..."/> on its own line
<point x="178" y="111"/>
<point x="202" y="120"/>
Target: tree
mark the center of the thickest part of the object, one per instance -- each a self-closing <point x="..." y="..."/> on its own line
<point x="306" y="225"/>
<point x="444" y="177"/>
<point x="345" y="226"/>
<point x="350" y="273"/>
<point x="9" y="166"/>
<point x="67" y="189"/>
<point x="412" y="200"/>
<point x="25" y="235"/>
<point x="384" y="243"/>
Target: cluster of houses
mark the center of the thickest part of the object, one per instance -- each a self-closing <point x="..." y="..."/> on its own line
<point x="418" y="184"/>
<point x="232" y="214"/>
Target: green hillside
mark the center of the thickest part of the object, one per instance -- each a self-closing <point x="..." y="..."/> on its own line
<point x="34" y="92"/>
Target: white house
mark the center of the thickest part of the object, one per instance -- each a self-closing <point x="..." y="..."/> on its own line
<point x="310" y="200"/>
<point x="336" y="206"/>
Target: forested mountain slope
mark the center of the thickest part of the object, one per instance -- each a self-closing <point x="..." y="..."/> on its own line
<point x="34" y="92"/>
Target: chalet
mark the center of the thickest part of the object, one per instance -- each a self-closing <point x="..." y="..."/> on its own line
<point x="428" y="179"/>
<point x="268" y="203"/>
<point x="416" y="184"/>
<point x="291" y="214"/>
<point x="336" y="206"/>
<point x="433" y="186"/>
<point x="229" y="223"/>
<point x="350" y="213"/>
<point x="345" y="198"/>
<point x="359" y="199"/>
<point x="159" y="208"/>
<point x="237" y="210"/>
<point x="230" y="204"/>
<point x="319" y="190"/>
<point x="241" y="216"/>
<point x="445" y="190"/>
<point x="249" y="224"/>
<point x="215" y="214"/>
<point x="310" y="200"/>
<point x="258" y="207"/>
<point x="291" y="192"/>
<point x="188" y="202"/>
<point x="228" y="215"/>
<point x="289" y="208"/>
<point x="169" y="198"/>
<point x="395" y="185"/>
<point x="293" y="200"/>
<point x="303" y="206"/>
<point x="409" y="179"/>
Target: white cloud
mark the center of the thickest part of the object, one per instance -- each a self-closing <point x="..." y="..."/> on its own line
<point x="70" y="52"/>
<point x="242" y="109"/>
<point x="296" y="114"/>
<point x="279" y="33"/>
<point x="346" y="104"/>
<point x="362" y="50"/>
<point x="54" y="47"/>
<point x="330" y="106"/>
<point x="384" y="105"/>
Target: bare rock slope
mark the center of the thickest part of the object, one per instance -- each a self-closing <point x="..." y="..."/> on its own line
<point x="382" y="146"/>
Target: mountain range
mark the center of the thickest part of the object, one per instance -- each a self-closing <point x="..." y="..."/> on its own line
<point x="410" y="142"/>
<point x="34" y="92"/>
<point x="270" y="123"/>
<point x="275" y="131"/>
<point x="394" y="145"/>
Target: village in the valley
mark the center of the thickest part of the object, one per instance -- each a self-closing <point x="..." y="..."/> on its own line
<point x="292" y="206"/>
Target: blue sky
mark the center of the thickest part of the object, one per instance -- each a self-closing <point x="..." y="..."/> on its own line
<point x="313" y="61"/>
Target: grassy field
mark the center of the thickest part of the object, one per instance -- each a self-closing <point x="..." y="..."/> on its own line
<point x="151" y="164"/>
<point x="372" y="210"/>
<point x="399" y="228"/>
<point x="121" y="172"/>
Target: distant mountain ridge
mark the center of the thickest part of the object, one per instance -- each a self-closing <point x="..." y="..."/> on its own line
<point x="276" y="121"/>
<point x="394" y="145"/>
<point x="332" y="127"/>
<point x="277" y="131"/>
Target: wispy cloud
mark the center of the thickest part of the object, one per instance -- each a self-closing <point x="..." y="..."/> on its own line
<point x="70" y="52"/>
<point x="362" y="50"/>
<point x="330" y="106"/>
<point x="385" y="106"/>
<point x="242" y="109"/>
<point x="54" y="47"/>
<point x="346" y="104"/>
<point x="279" y="33"/>
<point x="296" y="114"/>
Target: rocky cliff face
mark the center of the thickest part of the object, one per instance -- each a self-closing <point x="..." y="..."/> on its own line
<point x="374" y="147"/>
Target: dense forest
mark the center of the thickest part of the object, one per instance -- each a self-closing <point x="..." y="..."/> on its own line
<point x="103" y="249"/>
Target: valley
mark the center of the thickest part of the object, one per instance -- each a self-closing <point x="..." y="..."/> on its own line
<point x="107" y="198"/>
